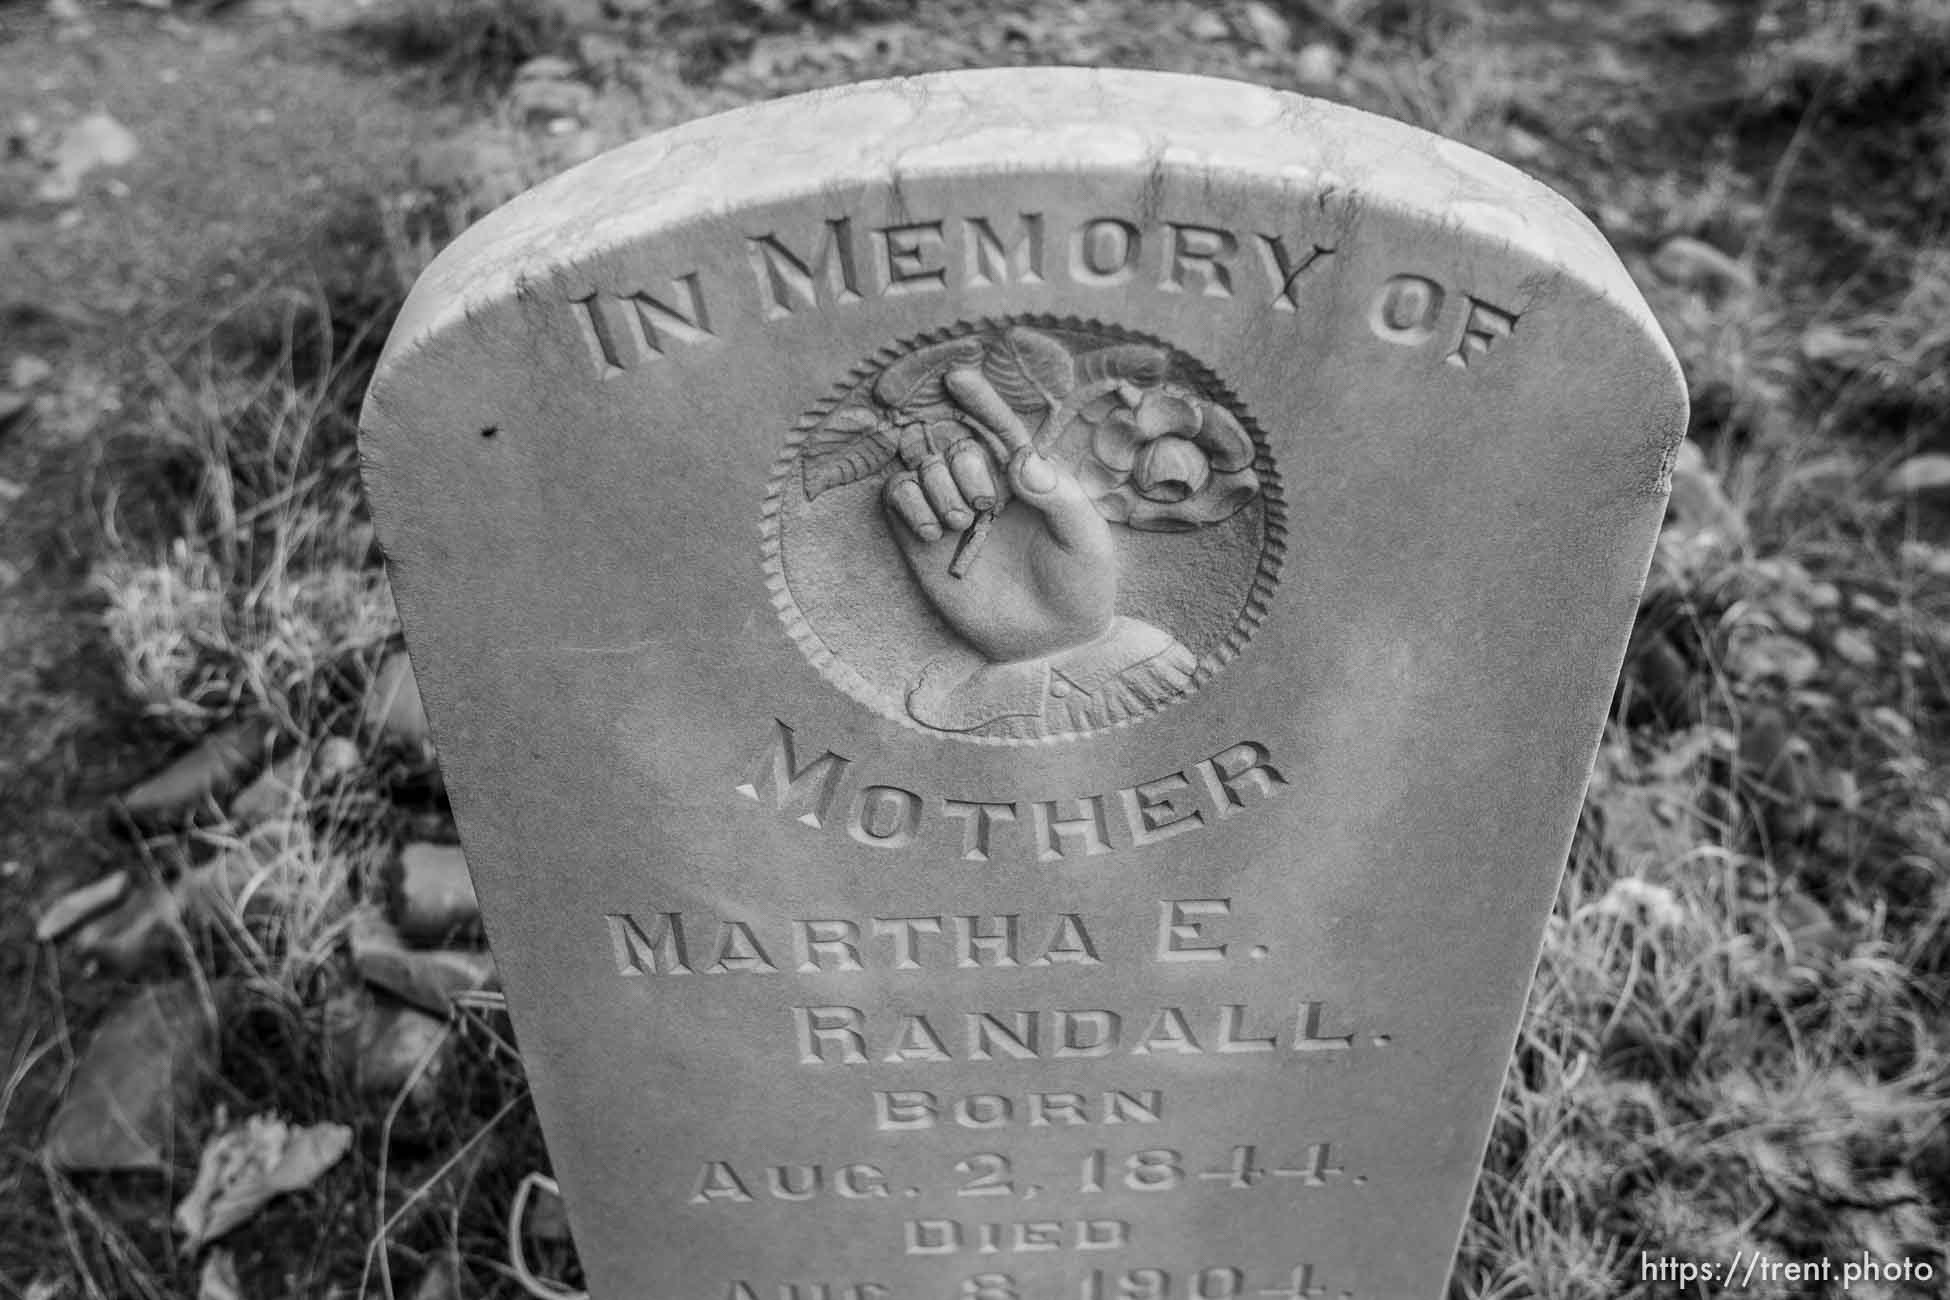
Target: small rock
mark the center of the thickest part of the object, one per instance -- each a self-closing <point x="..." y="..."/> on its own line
<point x="1697" y="265"/>
<point x="27" y="372"/>
<point x="1854" y="646"/>
<point x="97" y="140"/>
<point x="1208" y="25"/>
<point x="1931" y="561"/>
<point x="1692" y="20"/>
<point x="141" y="1067"/>
<point x="209" y="771"/>
<point x="384" y="1044"/>
<point x="276" y="792"/>
<point x="1892" y="724"/>
<point x="335" y="759"/>
<point x="1318" y="65"/>
<point x="1824" y="595"/>
<point x="1269" y="26"/>
<point x="1791" y="613"/>
<point x="427" y="979"/>
<point x="1758" y="655"/>
<point x="1828" y="345"/>
<point x="11" y="491"/>
<point x="1522" y="146"/>
<point x="76" y="906"/>
<point x="393" y="707"/>
<point x="1928" y="473"/>
<point x="432" y="893"/>
<point x="141" y="930"/>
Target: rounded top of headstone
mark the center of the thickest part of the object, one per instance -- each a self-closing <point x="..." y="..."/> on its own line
<point x="993" y="121"/>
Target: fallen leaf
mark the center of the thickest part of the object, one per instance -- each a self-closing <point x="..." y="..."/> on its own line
<point x="97" y="140"/>
<point x="77" y="905"/>
<point x="245" y="1166"/>
<point x="219" y="1279"/>
<point x="208" y="771"/>
<point x="139" y="1069"/>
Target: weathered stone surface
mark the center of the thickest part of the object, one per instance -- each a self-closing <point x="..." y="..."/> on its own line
<point x="1015" y="654"/>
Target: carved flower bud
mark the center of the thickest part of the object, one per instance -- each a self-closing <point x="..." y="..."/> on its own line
<point x="1170" y="469"/>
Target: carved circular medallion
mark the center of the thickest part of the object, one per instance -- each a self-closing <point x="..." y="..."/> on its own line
<point x="1015" y="530"/>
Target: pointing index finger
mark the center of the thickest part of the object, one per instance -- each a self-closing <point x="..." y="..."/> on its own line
<point x="977" y="396"/>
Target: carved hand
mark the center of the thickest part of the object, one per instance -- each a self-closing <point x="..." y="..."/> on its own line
<point x="1043" y="579"/>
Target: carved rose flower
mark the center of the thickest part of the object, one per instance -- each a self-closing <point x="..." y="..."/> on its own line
<point x="1166" y="461"/>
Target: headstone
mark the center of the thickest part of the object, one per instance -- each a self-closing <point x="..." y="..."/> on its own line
<point x="1016" y="655"/>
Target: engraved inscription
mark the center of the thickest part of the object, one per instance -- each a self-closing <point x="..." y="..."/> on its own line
<point x="623" y="330"/>
<point x="1409" y="310"/>
<point x="1009" y="491"/>
<point x="915" y="1110"/>
<point x="953" y="1236"/>
<point x="742" y="1290"/>
<point x="809" y="788"/>
<point x="837" y="1034"/>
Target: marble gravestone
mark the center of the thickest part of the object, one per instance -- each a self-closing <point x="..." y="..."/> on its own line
<point x="1016" y="655"/>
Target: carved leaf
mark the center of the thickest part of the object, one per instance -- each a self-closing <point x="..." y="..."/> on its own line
<point x="847" y="448"/>
<point x="1131" y="362"/>
<point x="1030" y="369"/>
<point x="915" y="380"/>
